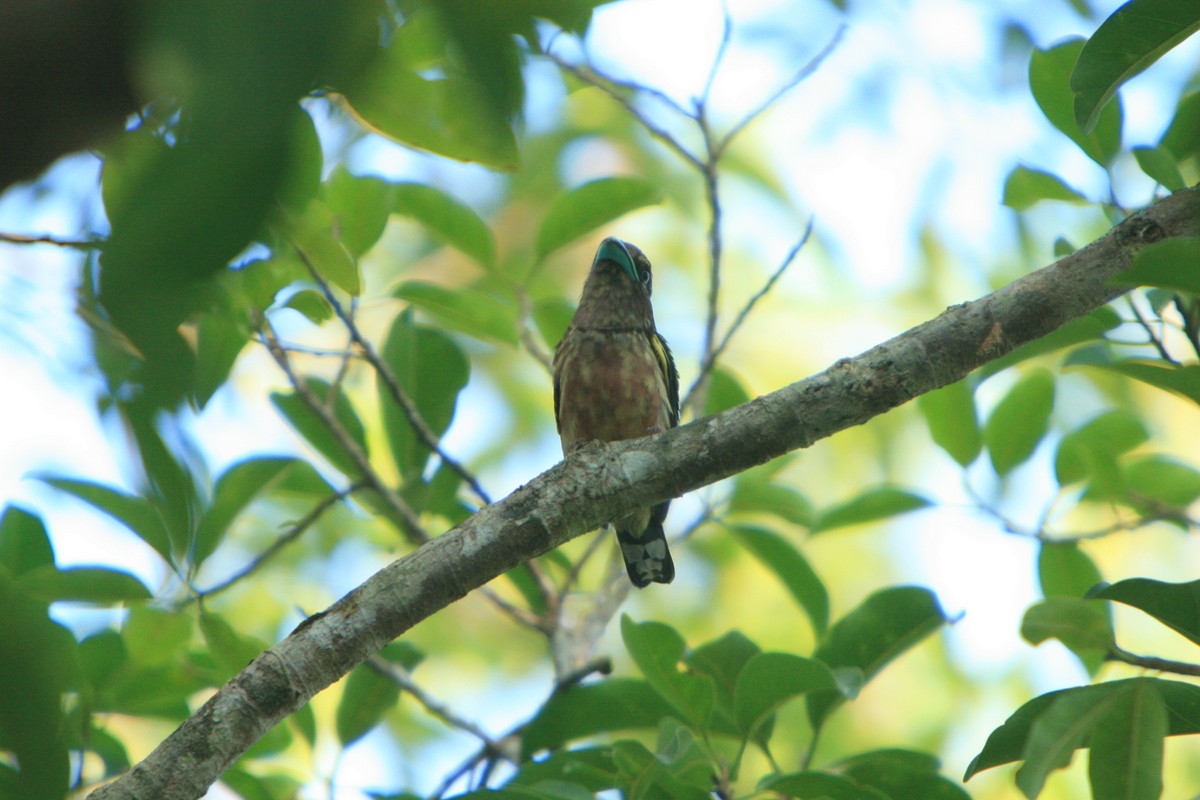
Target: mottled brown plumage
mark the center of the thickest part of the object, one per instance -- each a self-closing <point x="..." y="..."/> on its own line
<point x="614" y="378"/>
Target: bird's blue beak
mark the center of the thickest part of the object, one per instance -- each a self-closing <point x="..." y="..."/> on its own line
<point x="612" y="249"/>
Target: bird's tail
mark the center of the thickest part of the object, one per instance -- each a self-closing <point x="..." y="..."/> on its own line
<point x="646" y="555"/>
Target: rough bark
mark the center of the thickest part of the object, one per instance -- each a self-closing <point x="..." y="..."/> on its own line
<point x="601" y="481"/>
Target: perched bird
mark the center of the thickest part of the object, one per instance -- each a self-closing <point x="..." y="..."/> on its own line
<point x="614" y="378"/>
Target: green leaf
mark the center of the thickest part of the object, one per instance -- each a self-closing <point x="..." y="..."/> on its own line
<point x="817" y="786"/>
<point x="771" y="679"/>
<point x="1064" y="570"/>
<point x="724" y="392"/>
<point x="723" y="660"/>
<point x="552" y="316"/>
<point x="1182" y="136"/>
<point x="1134" y="37"/>
<point x="360" y="208"/>
<point x="1026" y="187"/>
<point x="1019" y="421"/>
<point x="469" y="309"/>
<point x="235" y="490"/>
<point x="135" y="513"/>
<point x="1183" y="380"/>
<point x="657" y="649"/>
<point x="366" y="696"/>
<point x="231" y="649"/>
<point x="886" y="624"/>
<point x="153" y="637"/>
<point x="646" y="775"/>
<point x="1125" y="757"/>
<point x="309" y="425"/>
<point x="219" y="342"/>
<point x="1082" y="626"/>
<point x="24" y="543"/>
<point x="585" y="208"/>
<point x="316" y="236"/>
<point x="432" y="370"/>
<point x="312" y="304"/>
<point x="897" y="773"/>
<point x="97" y="585"/>
<point x="753" y="492"/>
<point x="785" y="560"/>
<point x="1049" y="79"/>
<point x="1010" y="740"/>
<point x="1092" y="449"/>
<point x="1159" y="163"/>
<point x="1169" y="264"/>
<point x="872" y="505"/>
<point x="610" y="705"/>
<point x="450" y="220"/>
<point x="1056" y="733"/>
<point x="1176" y="605"/>
<point x="1162" y="481"/>
<point x="953" y="422"/>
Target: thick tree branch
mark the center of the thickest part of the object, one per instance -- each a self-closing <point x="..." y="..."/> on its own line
<point x="600" y="482"/>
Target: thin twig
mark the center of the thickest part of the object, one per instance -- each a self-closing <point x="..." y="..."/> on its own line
<point x="710" y="358"/>
<point x="722" y="49"/>
<point x="525" y="332"/>
<point x="400" y="509"/>
<point x="292" y="534"/>
<point x="75" y="244"/>
<point x="1153" y="662"/>
<point x="1154" y="338"/>
<point x="801" y="74"/>
<point x="395" y="390"/>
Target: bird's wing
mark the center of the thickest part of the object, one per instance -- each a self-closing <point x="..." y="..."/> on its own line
<point x="666" y="363"/>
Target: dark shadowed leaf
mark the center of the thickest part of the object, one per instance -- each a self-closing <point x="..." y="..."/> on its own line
<point x="1159" y="163"/>
<point x="1176" y="605"/>
<point x="135" y="513"/>
<point x="1049" y="79"/>
<point x="818" y="786"/>
<point x="310" y="425"/>
<point x="95" y="585"/>
<point x="885" y="625"/>
<point x="953" y="422"/>
<point x="1182" y="137"/>
<point x="1134" y="37"/>
<point x="771" y="679"/>
<point x="1083" y="626"/>
<point x="24" y="543"/>
<point x="235" y="490"/>
<point x="366" y="696"/>
<point x="219" y="341"/>
<point x="785" y="560"/>
<point x="610" y="705"/>
<point x="657" y="649"/>
<point x="901" y="774"/>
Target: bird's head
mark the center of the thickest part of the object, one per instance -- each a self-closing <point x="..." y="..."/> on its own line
<point x="617" y="291"/>
<point x="629" y="258"/>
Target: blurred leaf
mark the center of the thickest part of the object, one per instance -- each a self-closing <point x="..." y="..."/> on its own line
<point x="1084" y="329"/>
<point x="607" y="706"/>
<point x="1134" y="37"/>
<point x="591" y="767"/>
<point x="552" y="317"/>
<point x="872" y="505"/>
<point x="305" y="723"/>
<point x="785" y="560"/>
<point x="135" y="513"/>
<point x="313" y="428"/>
<point x="251" y="786"/>
<point x="235" y="490"/>
<point x="110" y="750"/>
<point x="469" y="310"/>
<point x="723" y="660"/>
<point x="1065" y="570"/>
<point x="1159" y="164"/>
<point x="1007" y="743"/>
<point x="1176" y="605"/>
<point x="24" y="543"/>
<point x="585" y="208"/>
<point x="312" y="304"/>
<point x="1182" y="136"/>
<point x="360" y="207"/>
<point x="1049" y="78"/>
<point x="97" y="585"/>
<point x="657" y="649"/>
<point x="1092" y="449"/>
<point x="754" y="493"/>
<point x="771" y="679"/>
<point x="316" y="236"/>
<point x="1056" y="733"/>
<point x="953" y="422"/>
<point x="1019" y="421"/>
<point x="1156" y="481"/>
<point x="154" y="637"/>
<point x="901" y="774"/>
<point x="1081" y="625"/>
<point x="1125" y="757"/>
<point x="817" y="786"/>
<point x="724" y="392"/>
<point x="651" y="776"/>
<point x="232" y="650"/>
<point x="450" y="220"/>
<point x="1170" y="264"/>
<point x="886" y="624"/>
<point x="366" y="696"/>
<point x="1183" y="380"/>
<point x="432" y="370"/>
<point x="1026" y="187"/>
<point x="219" y="341"/>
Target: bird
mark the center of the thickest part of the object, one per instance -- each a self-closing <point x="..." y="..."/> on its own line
<point x="615" y="378"/>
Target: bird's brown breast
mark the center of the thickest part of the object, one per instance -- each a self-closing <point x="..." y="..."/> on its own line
<point x="610" y="387"/>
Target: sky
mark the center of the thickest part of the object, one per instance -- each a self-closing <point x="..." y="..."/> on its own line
<point x="917" y="114"/>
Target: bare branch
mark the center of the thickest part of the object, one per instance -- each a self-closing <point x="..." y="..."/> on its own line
<point x="1153" y="662"/>
<point x="1155" y="339"/>
<point x="75" y="244"/>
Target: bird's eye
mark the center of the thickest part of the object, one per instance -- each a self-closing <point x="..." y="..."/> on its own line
<point x="646" y="277"/>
